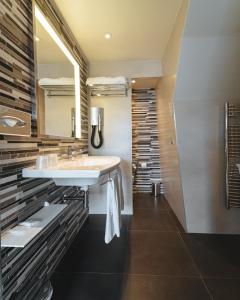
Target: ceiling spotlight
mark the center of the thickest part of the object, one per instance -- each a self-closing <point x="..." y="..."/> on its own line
<point x="98" y="95"/>
<point x="133" y="81"/>
<point x="37" y="39"/>
<point x="108" y="35"/>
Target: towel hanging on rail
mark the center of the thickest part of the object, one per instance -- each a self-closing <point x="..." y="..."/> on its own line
<point x="115" y="203"/>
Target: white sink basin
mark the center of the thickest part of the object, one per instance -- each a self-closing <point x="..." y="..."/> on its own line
<point x="80" y="172"/>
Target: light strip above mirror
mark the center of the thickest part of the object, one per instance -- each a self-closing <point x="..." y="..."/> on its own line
<point x="48" y="27"/>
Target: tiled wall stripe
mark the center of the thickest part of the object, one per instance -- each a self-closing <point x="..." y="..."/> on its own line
<point x="25" y="270"/>
<point x="37" y="261"/>
<point x="145" y="148"/>
<point x="17" y="60"/>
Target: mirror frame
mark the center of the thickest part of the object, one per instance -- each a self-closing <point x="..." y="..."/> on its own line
<point x="64" y="47"/>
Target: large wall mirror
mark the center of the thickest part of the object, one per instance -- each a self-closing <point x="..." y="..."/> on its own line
<point x="58" y="83"/>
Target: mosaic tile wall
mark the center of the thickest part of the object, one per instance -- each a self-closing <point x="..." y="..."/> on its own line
<point x="145" y="147"/>
<point x="25" y="270"/>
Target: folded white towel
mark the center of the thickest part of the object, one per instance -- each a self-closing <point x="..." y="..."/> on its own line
<point x="115" y="203"/>
<point x="56" y="81"/>
<point x="106" y="80"/>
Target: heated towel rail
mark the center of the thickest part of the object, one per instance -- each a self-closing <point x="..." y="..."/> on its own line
<point x="232" y="154"/>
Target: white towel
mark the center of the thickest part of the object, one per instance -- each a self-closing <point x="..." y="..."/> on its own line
<point x="115" y="203"/>
<point x="106" y="80"/>
<point x="56" y="81"/>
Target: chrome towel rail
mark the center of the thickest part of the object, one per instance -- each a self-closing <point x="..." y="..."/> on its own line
<point x="232" y="154"/>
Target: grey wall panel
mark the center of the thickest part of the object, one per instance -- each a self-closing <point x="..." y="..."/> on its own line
<point x="202" y="88"/>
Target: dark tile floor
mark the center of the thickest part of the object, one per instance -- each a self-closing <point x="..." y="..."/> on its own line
<point x="152" y="260"/>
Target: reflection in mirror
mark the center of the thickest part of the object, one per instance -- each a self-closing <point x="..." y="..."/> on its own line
<point x="58" y="83"/>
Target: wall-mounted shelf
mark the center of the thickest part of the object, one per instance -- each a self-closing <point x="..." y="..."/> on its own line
<point x="108" y="86"/>
<point x="112" y="90"/>
<point x="22" y="234"/>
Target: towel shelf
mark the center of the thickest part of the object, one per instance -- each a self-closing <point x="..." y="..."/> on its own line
<point x="108" y="86"/>
<point x="22" y="234"/>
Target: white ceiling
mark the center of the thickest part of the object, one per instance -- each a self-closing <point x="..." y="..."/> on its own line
<point x="140" y="28"/>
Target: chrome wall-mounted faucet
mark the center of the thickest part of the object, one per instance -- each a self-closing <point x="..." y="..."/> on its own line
<point x="71" y="153"/>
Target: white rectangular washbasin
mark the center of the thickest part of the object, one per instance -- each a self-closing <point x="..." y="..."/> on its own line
<point x="79" y="172"/>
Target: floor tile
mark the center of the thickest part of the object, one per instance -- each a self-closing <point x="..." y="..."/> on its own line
<point x="89" y="253"/>
<point x="157" y="258"/>
<point x="175" y="220"/>
<point x="87" y="286"/>
<point x="224" y="289"/>
<point x="145" y="200"/>
<point x="159" y="253"/>
<point x="215" y="255"/>
<point x="150" y="219"/>
<point x="97" y="222"/>
<point x="164" y="288"/>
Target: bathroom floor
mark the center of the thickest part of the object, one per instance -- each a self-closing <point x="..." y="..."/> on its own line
<point x="152" y="260"/>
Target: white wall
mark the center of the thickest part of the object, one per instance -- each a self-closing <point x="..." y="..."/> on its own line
<point x="169" y="160"/>
<point x="171" y="54"/>
<point x="131" y="69"/>
<point x="209" y="75"/>
<point x="117" y="132"/>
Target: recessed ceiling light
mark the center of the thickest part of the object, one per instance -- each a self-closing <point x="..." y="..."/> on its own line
<point x="133" y="81"/>
<point x="37" y="39"/>
<point x="98" y="95"/>
<point x="108" y="35"/>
